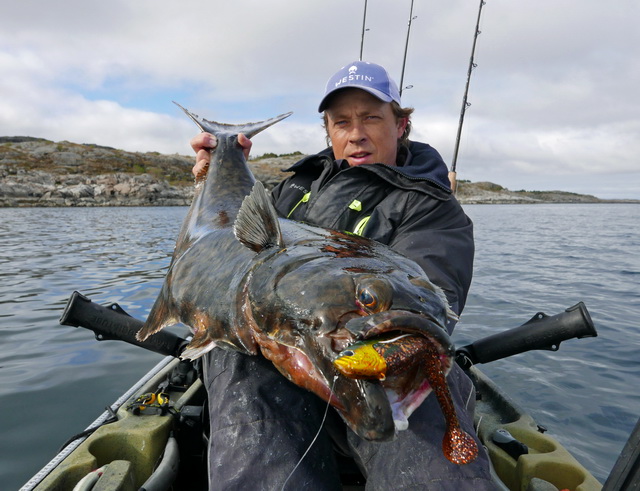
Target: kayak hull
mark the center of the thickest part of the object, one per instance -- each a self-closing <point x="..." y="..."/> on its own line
<point x="546" y="459"/>
<point x="135" y="451"/>
<point x="127" y="452"/>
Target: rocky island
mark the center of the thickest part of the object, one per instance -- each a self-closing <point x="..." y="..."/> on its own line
<point x="39" y="172"/>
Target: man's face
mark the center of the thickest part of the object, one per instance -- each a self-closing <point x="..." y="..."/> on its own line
<point x="362" y="128"/>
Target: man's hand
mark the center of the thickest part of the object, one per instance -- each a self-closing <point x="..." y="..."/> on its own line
<point x="202" y="145"/>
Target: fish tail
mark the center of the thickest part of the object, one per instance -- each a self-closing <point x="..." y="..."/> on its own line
<point x="458" y="446"/>
<point x="248" y="129"/>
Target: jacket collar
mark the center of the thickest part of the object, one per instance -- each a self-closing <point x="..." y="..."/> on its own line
<point x="418" y="162"/>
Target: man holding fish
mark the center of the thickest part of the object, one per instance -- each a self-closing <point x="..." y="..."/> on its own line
<point x="373" y="182"/>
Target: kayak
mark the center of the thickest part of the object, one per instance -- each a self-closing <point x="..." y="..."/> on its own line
<point x="151" y="438"/>
<point x="154" y="438"/>
<point x="522" y="455"/>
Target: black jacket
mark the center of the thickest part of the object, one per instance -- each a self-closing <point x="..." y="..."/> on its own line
<point x="408" y="207"/>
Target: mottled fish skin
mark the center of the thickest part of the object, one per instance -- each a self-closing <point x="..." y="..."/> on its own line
<point x="203" y="287"/>
<point x="396" y="355"/>
<point x="241" y="278"/>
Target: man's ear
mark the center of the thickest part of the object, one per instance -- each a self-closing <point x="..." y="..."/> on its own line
<point x="402" y="124"/>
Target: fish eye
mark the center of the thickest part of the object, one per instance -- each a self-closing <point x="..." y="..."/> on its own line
<point x="367" y="299"/>
<point x="373" y="294"/>
<point x="347" y="352"/>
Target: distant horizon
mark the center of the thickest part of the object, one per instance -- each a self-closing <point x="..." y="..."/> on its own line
<point x="253" y="157"/>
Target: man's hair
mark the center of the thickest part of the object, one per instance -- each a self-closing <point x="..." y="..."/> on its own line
<point x="398" y="111"/>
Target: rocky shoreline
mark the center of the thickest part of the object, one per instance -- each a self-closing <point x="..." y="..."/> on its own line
<point x="40" y="173"/>
<point x="39" y="188"/>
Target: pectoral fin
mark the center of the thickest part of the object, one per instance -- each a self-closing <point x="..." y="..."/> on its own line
<point x="161" y="316"/>
<point x="199" y="345"/>
<point x="257" y="225"/>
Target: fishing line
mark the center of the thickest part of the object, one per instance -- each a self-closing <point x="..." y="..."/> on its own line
<point x="392" y="340"/>
<point x="324" y="417"/>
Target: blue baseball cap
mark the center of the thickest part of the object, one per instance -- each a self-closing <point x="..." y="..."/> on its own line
<point x="362" y="75"/>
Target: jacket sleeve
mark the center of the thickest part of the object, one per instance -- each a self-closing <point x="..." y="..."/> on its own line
<point x="439" y="237"/>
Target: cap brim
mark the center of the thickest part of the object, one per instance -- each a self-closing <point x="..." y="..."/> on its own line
<point x="375" y="92"/>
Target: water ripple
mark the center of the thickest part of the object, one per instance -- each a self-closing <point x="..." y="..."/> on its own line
<point x="57" y="379"/>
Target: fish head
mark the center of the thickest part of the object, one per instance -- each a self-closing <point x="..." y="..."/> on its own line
<point x="314" y="297"/>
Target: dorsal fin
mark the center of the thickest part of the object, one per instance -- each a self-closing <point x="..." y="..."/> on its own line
<point x="257" y="225"/>
<point x="248" y="129"/>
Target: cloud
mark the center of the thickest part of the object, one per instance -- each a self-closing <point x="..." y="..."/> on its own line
<point x="553" y="93"/>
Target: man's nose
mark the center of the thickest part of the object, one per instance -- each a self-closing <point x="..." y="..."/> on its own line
<point x="357" y="133"/>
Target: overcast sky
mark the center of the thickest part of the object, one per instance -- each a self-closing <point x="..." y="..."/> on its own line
<point x="554" y="102"/>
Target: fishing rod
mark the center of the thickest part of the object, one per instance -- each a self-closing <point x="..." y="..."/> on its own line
<point x="406" y="45"/>
<point x="406" y="48"/>
<point x="465" y="103"/>
<point x="364" y="23"/>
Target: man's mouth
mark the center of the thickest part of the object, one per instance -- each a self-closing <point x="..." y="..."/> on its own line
<point x="359" y="157"/>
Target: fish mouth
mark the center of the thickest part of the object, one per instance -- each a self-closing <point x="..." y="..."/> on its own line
<point x="375" y="410"/>
<point x="397" y="320"/>
<point x="363" y="404"/>
<point x="405" y="391"/>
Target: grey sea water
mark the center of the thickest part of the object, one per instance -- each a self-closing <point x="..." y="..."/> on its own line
<point x="56" y="380"/>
